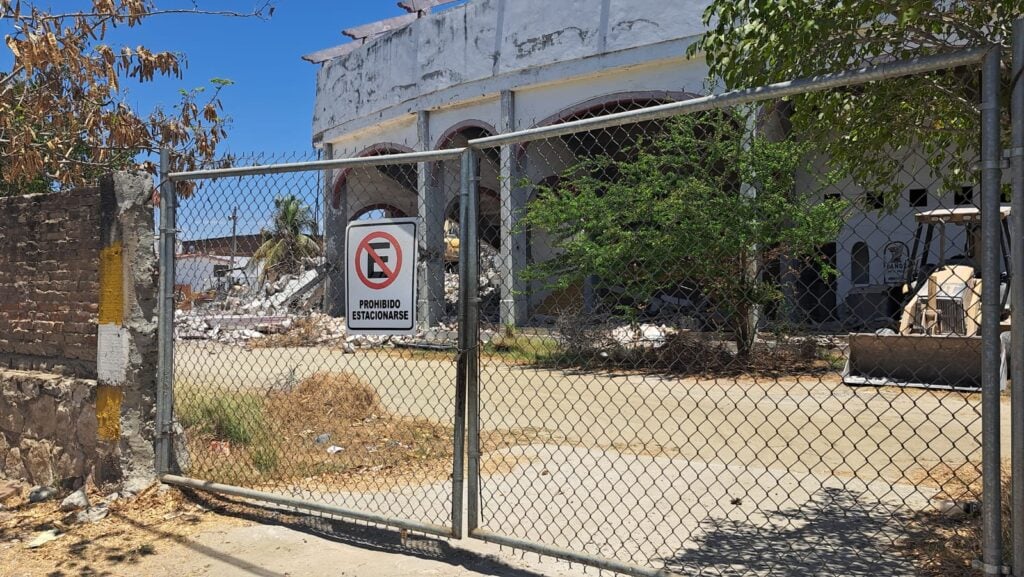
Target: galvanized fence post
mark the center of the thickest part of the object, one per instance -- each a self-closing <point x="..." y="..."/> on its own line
<point x="165" y="322"/>
<point x="469" y="283"/>
<point x="1016" y="351"/>
<point x="991" y="174"/>
<point x="466" y="342"/>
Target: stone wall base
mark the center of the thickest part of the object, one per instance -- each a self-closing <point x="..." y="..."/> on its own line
<point x="48" y="430"/>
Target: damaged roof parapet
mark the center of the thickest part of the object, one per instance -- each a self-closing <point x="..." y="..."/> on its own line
<point x="360" y="35"/>
<point x="422" y="5"/>
<point x="469" y="50"/>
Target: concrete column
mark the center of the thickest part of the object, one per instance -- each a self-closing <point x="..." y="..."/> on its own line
<point x="335" y="221"/>
<point x="126" y="356"/>
<point x="513" y="203"/>
<point x="430" y="207"/>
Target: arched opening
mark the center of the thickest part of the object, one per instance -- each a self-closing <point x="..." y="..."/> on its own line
<point x="364" y="192"/>
<point x="381" y="191"/>
<point x="489" y="222"/>
<point x="860" y="264"/>
<point x="490" y="211"/>
<point x="377" y="211"/>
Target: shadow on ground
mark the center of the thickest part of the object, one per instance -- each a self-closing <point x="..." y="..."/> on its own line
<point x="368" y="537"/>
<point x="838" y="533"/>
<point x="835" y="533"/>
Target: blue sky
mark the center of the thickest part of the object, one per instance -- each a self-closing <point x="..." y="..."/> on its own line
<point x="271" y="102"/>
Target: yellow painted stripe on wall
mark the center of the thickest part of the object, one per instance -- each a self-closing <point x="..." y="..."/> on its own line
<point x="111" y="286"/>
<point x="108" y="412"/>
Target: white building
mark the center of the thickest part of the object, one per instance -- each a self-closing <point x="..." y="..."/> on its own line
<point x="432" y="80"/>
<point x="205" y="272"/>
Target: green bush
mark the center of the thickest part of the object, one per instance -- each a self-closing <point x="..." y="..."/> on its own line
<point x="236" y="418"/>
<point x="265" y="457"/>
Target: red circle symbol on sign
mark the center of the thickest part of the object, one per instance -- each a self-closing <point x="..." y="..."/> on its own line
<point x="366" y="254"/>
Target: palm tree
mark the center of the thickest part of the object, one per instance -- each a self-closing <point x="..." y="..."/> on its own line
<point x="287" y="244"/>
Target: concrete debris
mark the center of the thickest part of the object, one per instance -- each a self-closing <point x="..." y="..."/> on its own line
<point x="287" y="289"/>
<point x="93" y="514"/>
<point x="289" y="307"/>
<point x="235" y="329"/>
<point x="40" y="494"/>
<point x="75" y="501"/>
<point x="642" y="336"/>
<point x="43" y="538"/>
<point x="490" y="279"/>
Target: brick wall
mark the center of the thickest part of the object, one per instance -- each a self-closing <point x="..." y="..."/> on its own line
<point x="76" y="398"/>
<point x="49" y="281"/>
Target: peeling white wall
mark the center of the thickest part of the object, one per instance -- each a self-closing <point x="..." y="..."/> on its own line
<point x="878" y="228"/>
<point x="486" y="46"/>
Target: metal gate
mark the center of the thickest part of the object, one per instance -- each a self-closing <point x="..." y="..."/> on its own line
<point x="665" y="377"/>
<point x="666" y="352"/>
<point x="265" y="395"/>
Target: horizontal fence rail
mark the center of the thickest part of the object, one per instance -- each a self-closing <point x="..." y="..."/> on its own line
<point x="314" y="165"/>
<point x="744" y="96"/>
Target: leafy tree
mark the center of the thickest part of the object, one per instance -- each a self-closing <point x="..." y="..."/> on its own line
<point x="64" y="116"/>
<point x="861" y="130"/>
<point x="674" y="209"/>
<point x="287" y="244"/>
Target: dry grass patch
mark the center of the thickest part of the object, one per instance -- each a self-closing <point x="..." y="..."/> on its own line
<point x="942" y="544"/>
<point x="329" y="432"/>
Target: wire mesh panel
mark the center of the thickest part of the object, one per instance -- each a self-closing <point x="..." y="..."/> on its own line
<point x="271" y="392"/>
<point x="711" y="345"/>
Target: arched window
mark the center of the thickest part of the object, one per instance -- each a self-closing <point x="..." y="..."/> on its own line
<point x="860" y="264"/>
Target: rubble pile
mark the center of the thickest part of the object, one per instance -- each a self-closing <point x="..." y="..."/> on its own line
<point x="227" y="328"/>
<point x="285" y="313"/>
<point x="640" y="336"/>
<point x="490" y="287"/>
<point x="287" y="291"/>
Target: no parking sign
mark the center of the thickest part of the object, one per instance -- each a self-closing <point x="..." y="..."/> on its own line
<point x="380" y="279"/>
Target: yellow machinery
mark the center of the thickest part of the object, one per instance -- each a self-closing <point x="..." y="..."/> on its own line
<point x="451" y="242"/>
<point x="938" y="342"/>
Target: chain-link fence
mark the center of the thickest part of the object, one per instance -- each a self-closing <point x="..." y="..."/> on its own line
<point x="682" y="337"/>
<point x="270" y="391"/>
<point x="681" y="376"/>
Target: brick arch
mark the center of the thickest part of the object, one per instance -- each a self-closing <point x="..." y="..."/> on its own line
<point x="379" y="149"/>
<point x="591" y="105"/>
<point x="581" y="109"/>
<point x="454" y="130"/>
<point x="389" y="208"/>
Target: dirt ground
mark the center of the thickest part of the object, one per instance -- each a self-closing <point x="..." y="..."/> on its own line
<point x="167" y="533"/>
<point x="653" y="468"/>
<point x="152" y="524"/>
<point x="750" y="471"/>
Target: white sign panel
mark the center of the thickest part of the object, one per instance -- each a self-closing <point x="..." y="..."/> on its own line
<point x="380" y="277"/>
<point x="896" y="258"/>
